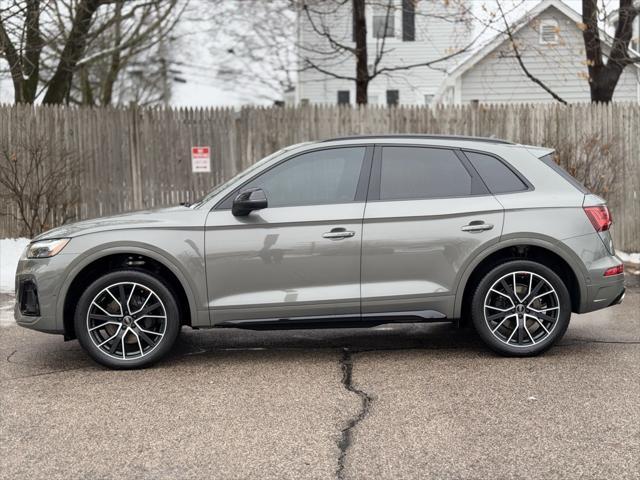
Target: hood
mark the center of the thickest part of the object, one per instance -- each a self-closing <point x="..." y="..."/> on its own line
<point x="159" y="218"/>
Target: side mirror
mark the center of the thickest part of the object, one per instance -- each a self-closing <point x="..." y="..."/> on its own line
<point x="248" y="201"/>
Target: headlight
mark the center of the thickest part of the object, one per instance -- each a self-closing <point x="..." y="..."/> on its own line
<point x="46" y="248"/>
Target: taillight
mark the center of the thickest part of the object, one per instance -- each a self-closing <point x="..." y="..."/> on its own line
<point x="617" y="270"/>
<point x="599" y="216"/>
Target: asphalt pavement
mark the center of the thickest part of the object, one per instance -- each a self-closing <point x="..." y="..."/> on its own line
<point x="396" y="401"/>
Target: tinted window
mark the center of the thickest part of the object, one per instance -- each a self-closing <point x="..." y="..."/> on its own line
<point x="415" y="172"/>
<point x="498" y="177"/>
<point x="326" y="176"/>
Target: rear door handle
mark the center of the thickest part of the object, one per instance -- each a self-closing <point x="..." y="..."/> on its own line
<point x="338" y="233"/>
<point x="477" y="226"/>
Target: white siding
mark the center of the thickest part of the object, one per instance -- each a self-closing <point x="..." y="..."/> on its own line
<point x="435" y="38"/>
<point x="498" y="78"/>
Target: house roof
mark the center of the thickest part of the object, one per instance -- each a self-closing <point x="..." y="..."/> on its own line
<point x="470" y="61"/>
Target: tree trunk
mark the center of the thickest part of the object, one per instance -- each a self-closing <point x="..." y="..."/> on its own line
<point x="603" y="77"/>
<point x="360" y="35"/>
<point x="602" y="83"/>
<point x="60" y="84"/>
<point x="114" y="65"/>
<point x="31" y="64"/>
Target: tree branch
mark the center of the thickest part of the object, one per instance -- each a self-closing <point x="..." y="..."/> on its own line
<point x="521" y="63"/>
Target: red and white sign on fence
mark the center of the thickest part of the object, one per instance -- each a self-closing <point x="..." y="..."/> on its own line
<point x="200" y="160"/>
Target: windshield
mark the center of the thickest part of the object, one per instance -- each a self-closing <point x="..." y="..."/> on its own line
<point x="239" y="176"/>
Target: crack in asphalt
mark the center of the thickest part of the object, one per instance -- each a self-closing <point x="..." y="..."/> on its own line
<point x="11" y="355"/>
<point x="10" y="360"/>
<point x="346" y="434"/>
<point x="52" y="372"/>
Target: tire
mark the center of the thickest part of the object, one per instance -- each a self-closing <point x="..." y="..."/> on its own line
<point x="522" y="321"/>
<point x="141" y="334"/>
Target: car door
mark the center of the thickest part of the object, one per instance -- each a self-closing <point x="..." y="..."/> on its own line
<point x="300" y="256"/>
<point x="427" y="212"/>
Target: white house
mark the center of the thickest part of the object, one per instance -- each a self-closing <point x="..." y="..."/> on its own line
<point x="548" y="37"/>
<point x="416" y="31"/>
<point x="551" y="46"/>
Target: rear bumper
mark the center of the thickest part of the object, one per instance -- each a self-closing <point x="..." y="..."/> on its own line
<point x="619" y="298"/>
<point x="606" y="293"/>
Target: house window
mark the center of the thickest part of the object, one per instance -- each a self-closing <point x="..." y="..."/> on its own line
<point x="428" y="99"/>
<point x="408" y="20"/>
<point x="344" y="97"/>
<point x="383" y="21"/>
<point x="549" y="32"/>
<point x="393" y="97"/>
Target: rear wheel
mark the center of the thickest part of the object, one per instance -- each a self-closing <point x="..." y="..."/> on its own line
<point x="127" y="319"/>
<point x="521" y="308"/>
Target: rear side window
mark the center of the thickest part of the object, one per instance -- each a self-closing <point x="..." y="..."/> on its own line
<point x="496" y="175"/>
<point x="417" y="172"/>
<point x="548" y="159"/>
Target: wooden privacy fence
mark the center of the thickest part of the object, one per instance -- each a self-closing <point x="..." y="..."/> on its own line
<point x="140" y="158"/>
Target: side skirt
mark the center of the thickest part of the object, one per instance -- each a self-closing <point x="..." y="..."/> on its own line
<point x="335" y="321"/>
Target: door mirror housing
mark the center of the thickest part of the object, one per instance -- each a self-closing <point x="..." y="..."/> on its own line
<point x="249" y="200"/>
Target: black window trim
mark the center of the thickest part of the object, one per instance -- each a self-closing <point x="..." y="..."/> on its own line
<point x="478" y="188"/>
<point x="529" y="186"/>
<point x="361" y="189"/>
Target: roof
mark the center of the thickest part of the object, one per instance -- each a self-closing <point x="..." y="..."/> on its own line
<point x="420" y="137"/>
<point x="470" y="61"/>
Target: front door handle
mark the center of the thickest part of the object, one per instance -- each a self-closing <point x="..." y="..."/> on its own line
<point x="338" y="233"/>
<point x="477" y="226"/>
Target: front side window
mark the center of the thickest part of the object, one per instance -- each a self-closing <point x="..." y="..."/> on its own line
<point x="314" y="178"/>
<point x="496" y="175"/>
<point x="418" y="172"/>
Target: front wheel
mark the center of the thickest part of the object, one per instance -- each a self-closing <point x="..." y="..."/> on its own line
<point x="127" y="319"/>
<point x="521" y="308"/>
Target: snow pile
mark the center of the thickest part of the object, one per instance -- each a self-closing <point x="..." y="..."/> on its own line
<point x="632" y="258"/>
<point x="10" y="251"/>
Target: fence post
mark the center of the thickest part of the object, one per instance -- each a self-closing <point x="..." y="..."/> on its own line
<point x="134" y="159"/>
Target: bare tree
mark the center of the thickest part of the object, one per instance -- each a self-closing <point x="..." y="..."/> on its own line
<point x="47" y="43"/>
<point x="253" y="45"/>
<point x="338" y="47"/>
<point x="592" y="159"/>
<point x="37" y="174"/>
<point x="606" y="67"/>
<point x="508" y="31"/>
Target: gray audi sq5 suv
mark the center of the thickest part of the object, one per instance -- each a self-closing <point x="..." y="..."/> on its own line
<point x="354" y="231"/>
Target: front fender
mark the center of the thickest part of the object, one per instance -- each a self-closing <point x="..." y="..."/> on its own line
<point x="199" y="316"/>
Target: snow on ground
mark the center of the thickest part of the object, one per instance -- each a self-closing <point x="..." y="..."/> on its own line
<point x="631" y="262"/>
<point x="633" y="258"/>
<point x="10" y="251"/>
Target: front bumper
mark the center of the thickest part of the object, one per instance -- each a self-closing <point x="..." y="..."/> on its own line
<point x="45" y="277"/>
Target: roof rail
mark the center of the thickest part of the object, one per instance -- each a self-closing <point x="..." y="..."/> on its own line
<point x="422" y="136"/>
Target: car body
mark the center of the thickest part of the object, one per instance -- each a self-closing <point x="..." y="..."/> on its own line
<point x="350" y="231"/>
